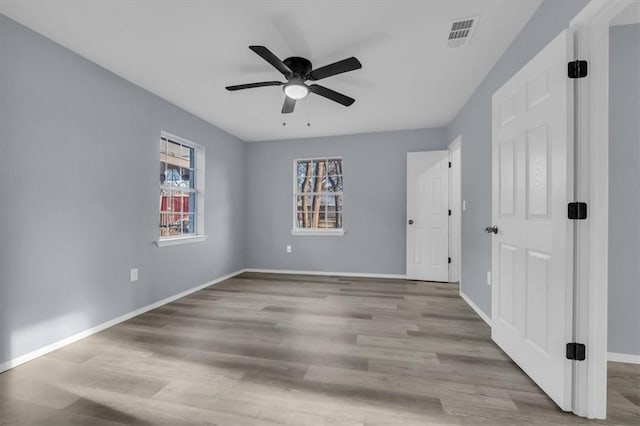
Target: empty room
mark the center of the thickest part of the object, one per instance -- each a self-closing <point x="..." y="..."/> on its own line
<point x="322" y="212"/>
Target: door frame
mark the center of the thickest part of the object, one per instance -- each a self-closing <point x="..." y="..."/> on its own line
<point x="590" y="32"/>
<point x="456" y="206"/>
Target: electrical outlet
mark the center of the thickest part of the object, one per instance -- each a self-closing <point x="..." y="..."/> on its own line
<point x="133" y="274"/>
<point x="488" y="277"/>
<point x="288" y="249"/>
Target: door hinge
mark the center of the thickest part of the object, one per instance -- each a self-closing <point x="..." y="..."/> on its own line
<point x="576" y="351"/>
<point x="577" y="69"/>
<point x="449" y="260"/>
<point x="577" y="211"/>
<point x="449" y="212"/>
<point x="449" y="164"/>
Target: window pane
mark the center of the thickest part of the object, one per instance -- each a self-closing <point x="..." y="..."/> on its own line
<point x="177" y="156"/>
<point x="186" y="178"/>
<point x="334" y="167"/>
<point x="323" y="178"/>
<point x="177" y="164"/>
<point x="163" y="148"/>
<point x="190" y="227"/>
<point x="334" y="220"/>
<point x="304" y="176"/>
<point x="178" y="198"/>
<point x="337" y="202"/>
<point x="186" y="156"/>
<point x="171" y="176"/>
<point x="164" y="225"/>
<point x="303" y="203"/>
<point x="174" y="150"/>
<point x="333" y="183"/>
<point x="321" y="168"/>
<point x="163" y="167"/>
<point x="303" y="211"/>
<point x="177" y="213"/>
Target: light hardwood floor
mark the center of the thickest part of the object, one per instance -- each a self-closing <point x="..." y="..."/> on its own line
<point x="264" y="349"/>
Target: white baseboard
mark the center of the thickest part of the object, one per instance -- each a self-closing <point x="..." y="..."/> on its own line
<point x="336" y="274"/>
<point x="476" y="308"/>
<point x="86" y="333"/>
<point x="612" y="356"/>
<point x="628" y="358"/>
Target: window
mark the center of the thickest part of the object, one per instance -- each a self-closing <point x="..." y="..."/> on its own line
<point x="318" y="196"/>
<point x="181" y="191"/>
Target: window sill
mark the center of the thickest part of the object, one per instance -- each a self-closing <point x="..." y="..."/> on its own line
<point x="174" y="241"/>
<point x="318" y="232"/>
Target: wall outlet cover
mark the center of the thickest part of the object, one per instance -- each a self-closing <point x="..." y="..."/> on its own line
<point x="288" y="249"/>
<point x="133" y="274"/>
<point x="488" y="277"/>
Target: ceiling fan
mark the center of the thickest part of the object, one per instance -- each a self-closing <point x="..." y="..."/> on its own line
<point x="297" y="71"/>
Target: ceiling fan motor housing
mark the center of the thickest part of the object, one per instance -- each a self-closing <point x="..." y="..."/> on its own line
<point x="300" y="67"/>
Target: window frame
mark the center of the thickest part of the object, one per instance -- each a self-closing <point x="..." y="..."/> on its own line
<point x="198" y="190"/>
<point x="328" y="232"/>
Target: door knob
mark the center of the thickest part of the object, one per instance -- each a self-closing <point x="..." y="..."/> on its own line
<point x="410" y="221"/>
<point x="491" y="229"/>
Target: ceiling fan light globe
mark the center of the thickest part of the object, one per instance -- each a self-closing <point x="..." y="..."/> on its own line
<point x="296" y="91"/>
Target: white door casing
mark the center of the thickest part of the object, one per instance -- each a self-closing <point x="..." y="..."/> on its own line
<point x="455" y="205"/>
<point x="427" y="215"/>
<point x="590" y="28"/>
<point x="532" y="253"/>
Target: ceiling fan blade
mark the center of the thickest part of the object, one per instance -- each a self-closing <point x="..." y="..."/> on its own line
<point x="268" y="56"/>
<point x="289" y="105"/>
<point x="252" y="85"/>
<point x="339" y="67"/>
<point x="331" y="94"/>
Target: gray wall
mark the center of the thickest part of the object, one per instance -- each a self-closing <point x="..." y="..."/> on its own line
<point x="374" y="202"/>
<point x="79" y="195"/>
<point x="624" y="190"/>
<point x="474" y="123"/>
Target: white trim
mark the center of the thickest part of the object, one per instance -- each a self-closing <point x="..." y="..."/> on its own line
<point x="198" y="190"/>
<point x="456" y="208"/>
<point x="329" y="232"/>
<point x="174" y="138"/>
<point x="628" y="358"/>
<point x="314" y="231"/>
<point x="475" y="307"/>
<point x="324" y="157"/>
<point x="174" y="241"/>
<point x="86" y="333"/>
<point x="590" y="31"/>
<point x="456" y="143"/>
<point x="323" y="273"/>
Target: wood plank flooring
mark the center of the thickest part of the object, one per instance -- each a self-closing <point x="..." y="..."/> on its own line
<point x="262" y="349"/>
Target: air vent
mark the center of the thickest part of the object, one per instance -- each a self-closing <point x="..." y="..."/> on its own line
<point x="461" y="31"/>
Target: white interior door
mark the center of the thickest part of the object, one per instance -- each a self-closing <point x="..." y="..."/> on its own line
<point x="428" y="215"/>
<point x="532" y="148"/>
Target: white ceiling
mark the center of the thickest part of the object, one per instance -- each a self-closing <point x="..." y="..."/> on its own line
<point x="188" y="51"/>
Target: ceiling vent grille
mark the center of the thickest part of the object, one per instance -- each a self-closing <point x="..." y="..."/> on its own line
<point x="461" y="31"/>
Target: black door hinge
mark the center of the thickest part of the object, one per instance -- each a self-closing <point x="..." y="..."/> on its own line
<point x="577" y="211"/>
<point x="449" y="212"/>
<point x="449" y="164"/>
<point x="577" y="69"/>
<point x="576" y="351"/>
<point x="449" y="260"/>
